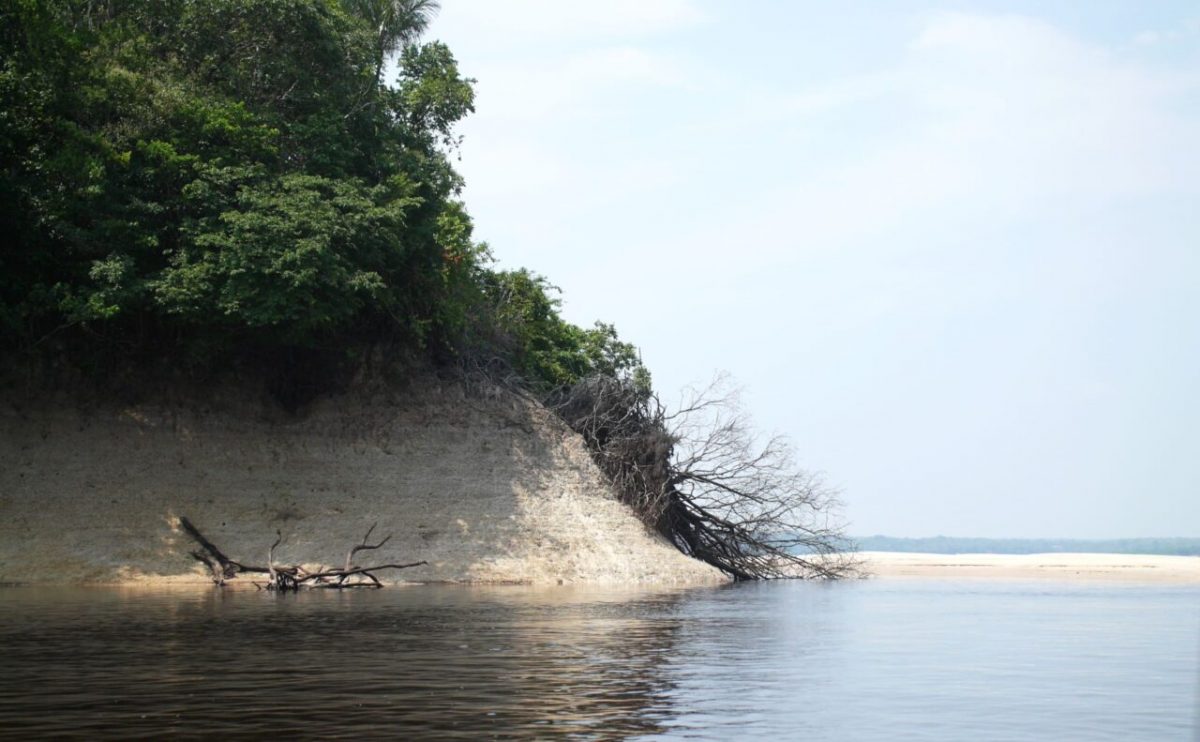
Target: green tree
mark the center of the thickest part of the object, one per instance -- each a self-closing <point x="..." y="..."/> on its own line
<point x="395" y="24"/>
<point x="549" y="352"/>
<point x="226" y="175"/>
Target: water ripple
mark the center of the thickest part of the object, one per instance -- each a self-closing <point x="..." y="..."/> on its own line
<point x="906" y="660"/>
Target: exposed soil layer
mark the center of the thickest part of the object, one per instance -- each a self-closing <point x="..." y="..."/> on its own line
<point x="485" y="487"/>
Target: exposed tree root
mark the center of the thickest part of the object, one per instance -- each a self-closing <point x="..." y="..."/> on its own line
<point x="707" y="482"/>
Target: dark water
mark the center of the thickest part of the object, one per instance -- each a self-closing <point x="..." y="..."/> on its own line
<point x="874" y="660"/>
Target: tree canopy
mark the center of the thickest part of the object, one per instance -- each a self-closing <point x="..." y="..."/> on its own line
<point x="202" y="180"/>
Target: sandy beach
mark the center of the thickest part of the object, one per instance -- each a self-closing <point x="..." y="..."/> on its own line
<point x="1108" y="567"/>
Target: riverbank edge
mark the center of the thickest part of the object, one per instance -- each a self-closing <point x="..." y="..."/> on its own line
<point x="486" y="486"/>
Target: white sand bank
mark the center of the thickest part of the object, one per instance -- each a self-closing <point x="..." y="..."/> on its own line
<point x="1112" y="567"/>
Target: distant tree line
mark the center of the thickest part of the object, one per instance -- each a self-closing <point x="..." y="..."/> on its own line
<point x="951" y="545"/>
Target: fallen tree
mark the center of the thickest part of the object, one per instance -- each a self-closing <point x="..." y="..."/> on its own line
<point x="702" y="477"/>
<point x="286" y="578"/>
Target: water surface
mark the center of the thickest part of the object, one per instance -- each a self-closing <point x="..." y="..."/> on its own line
<point x="865" y="660"/>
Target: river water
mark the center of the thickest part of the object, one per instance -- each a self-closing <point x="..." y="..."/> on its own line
<point x="863" y="660"/>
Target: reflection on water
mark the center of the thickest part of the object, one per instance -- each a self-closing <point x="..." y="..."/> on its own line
<point x="425" y="660"/>
<point x="877" y="660"/>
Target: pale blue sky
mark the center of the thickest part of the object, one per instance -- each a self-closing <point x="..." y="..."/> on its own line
<point x="951" y="250"/>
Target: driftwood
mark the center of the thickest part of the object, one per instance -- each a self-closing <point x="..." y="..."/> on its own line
<point x="293" y="577"/>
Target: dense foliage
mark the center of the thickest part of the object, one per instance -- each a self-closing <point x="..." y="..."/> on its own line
<point x="206" y="182"/>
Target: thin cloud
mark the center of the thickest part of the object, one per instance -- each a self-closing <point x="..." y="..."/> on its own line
<point x="910" y="264"/>
<point x="988" y="120"/>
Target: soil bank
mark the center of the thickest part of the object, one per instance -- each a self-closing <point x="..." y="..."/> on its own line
<point x="486" y="487"/>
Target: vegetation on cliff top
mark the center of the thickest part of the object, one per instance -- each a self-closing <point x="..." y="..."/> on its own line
<point x="206" y="182"/>
<point x="192" y="187"/>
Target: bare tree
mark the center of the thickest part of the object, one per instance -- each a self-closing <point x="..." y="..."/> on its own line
<point x="704" y="479"/>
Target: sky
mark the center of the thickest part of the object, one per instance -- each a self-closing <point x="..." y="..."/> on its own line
<point x="950" y="250"/>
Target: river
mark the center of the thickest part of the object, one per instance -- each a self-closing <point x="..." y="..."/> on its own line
<point x="861" y="660"/>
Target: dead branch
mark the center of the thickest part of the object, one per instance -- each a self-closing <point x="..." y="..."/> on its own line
<point x="271" y="559"/>
<point x="364" y="546"/>
<point x="222" y="567"/>
<point x="291" y="578"/>
<point x="707" y="482"/>
<point x="322" y="579"/>
<point x="699" y="475"/>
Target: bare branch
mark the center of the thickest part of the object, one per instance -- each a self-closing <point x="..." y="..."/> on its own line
<point x="704" y="479"/>
<point x="364" y="546"/>
<point x="291" y="578"/>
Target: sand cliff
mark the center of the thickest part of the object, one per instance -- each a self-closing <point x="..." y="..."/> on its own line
<point x="486" y="488"/>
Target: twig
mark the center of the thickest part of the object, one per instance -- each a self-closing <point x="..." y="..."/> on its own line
<point x="364" y="546"/>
